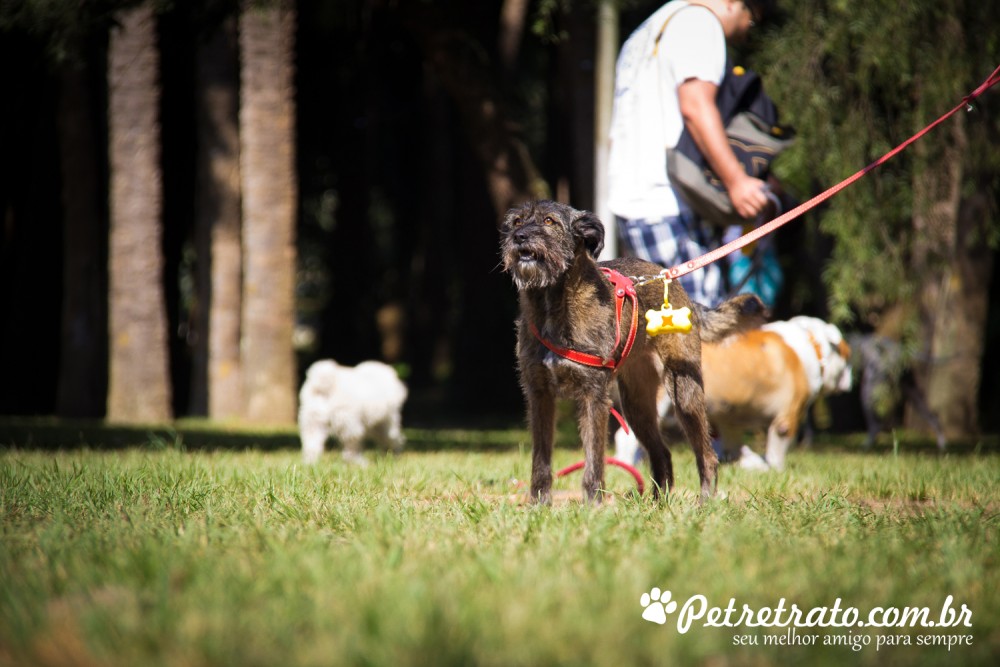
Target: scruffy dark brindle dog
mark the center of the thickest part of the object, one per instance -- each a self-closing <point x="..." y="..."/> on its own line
<point x="549" y="250"/>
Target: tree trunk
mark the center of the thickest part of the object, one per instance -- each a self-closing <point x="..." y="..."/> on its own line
<point x="139" y="377"/>
<point x="511" y="175"/>
<point x="83" y="357"/>
<point x="569" y="161"/>
<point x="513" y="16"/>
<point x="952" y="268"/>
<point x="217" y="382"/>
<point x="954" y="376"/>
<point x="430" y="342"/>
<point x="605" y="54"/>
<point x="267" y="166"/>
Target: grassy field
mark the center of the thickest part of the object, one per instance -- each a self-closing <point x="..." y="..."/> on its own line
<point x="163" y="555"/>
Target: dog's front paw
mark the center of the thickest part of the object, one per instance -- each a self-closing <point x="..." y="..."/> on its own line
<point x="541" y="496"/>
<point x="751" y="460"/>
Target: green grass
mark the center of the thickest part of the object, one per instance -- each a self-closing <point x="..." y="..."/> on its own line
<point x="162" y="556"/>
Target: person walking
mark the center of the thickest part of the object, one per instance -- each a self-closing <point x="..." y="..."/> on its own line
<point x="666" y="79"/>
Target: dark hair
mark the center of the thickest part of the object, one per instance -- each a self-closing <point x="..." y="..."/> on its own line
<point x="763" y="8"/>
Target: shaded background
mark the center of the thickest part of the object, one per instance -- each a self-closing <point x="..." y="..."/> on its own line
<point x="397" y="242"/>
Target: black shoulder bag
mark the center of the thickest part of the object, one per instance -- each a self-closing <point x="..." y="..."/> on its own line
<point x="755" y="136"/>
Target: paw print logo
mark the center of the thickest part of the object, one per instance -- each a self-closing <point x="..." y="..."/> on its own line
<point x="656" y="606"/>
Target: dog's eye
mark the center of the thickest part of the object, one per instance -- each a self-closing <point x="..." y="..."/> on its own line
<point x="549" y="221"/>
<point x="516" y="222"/>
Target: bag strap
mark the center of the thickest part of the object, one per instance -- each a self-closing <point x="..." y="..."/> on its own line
<point x="655" y="55"/>
<point x="663" y="28"/>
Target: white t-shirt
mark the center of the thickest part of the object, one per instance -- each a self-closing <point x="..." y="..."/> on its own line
<point x="646" y="119"/>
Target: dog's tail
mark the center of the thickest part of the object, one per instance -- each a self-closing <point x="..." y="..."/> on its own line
<point x="740" y="313"/>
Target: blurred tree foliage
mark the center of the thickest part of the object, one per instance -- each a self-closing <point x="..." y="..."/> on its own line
<point x="914" y="240"/>
<point x="857" y="79"/>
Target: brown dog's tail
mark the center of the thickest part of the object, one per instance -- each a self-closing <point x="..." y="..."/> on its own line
<point x="740" y="313"/>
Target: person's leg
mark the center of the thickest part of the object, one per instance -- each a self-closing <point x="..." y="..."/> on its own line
<point x="672" y="241"/>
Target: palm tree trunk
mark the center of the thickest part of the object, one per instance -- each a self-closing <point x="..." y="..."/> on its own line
<point x="139" y="378"/>
<point x="267" y="166"/>
<point x="217" y="387"/>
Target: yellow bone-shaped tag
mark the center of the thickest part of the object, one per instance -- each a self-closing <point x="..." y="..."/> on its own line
<point x="668" y="319"/>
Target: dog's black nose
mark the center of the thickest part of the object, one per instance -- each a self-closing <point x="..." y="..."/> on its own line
<point x="520" y="236"/>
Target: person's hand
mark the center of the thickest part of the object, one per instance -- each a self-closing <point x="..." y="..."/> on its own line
<point x="748" y="197"/>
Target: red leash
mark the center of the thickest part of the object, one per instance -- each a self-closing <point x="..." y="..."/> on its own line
<point x="636" y="475"/>
<point x="764" y="230"/>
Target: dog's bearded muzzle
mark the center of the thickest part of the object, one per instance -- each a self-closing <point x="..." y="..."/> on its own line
<point x="528" y="256"/>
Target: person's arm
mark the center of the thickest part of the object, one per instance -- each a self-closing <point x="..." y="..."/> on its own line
<point x="702" y="119"/>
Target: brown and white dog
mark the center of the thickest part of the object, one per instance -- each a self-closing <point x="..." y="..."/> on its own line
<point x="766" y="379"/>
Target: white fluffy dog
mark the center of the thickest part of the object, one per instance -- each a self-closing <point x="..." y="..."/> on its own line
<point x="350" y="404"/>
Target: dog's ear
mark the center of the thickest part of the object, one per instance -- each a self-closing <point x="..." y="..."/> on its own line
<point x="587" y="227"/>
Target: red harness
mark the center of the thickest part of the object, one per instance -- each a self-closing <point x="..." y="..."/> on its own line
<point x="623" y="288"/>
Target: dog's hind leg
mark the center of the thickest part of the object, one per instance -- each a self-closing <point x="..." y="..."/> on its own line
<point x="873" y="423"/>
<point x="352" y="451"/>
<point x="542" y="421"/>
<point x="390" y="434"/>
<point x="638" y="391"/>
<point x="917" y="400"/>
<point x="779" y="440"/>
<point x="688" y="396"/>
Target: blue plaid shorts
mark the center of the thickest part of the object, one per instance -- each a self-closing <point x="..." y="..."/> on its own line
<point x="675" y="240"/>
